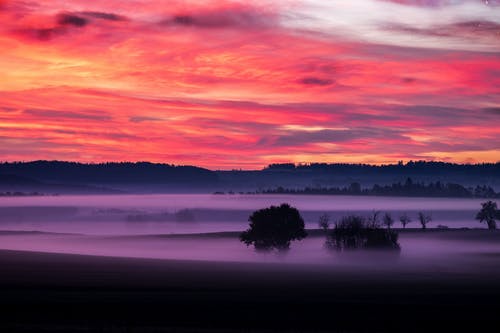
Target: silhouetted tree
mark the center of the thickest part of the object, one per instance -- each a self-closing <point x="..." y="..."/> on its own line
<point x="354" y="188"/>
<point x="424" y="219"/>
<point x="388" y="220"/>
<point x="488" y="213"/>
<point x="274" y="228"/>
<point x="355" y="232"/>
<point x="373" y="219"/>
<point x="405" y="219"/>
<point x="324" y="222"/>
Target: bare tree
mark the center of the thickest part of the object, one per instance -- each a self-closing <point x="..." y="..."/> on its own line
<point x="405" y="219"/>
<point x="388" y="220"/>
<point x="424" y="219"/>
<point x="373" y="220"/>
<point x="324" y="222"/>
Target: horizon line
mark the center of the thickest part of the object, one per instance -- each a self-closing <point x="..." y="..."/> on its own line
<point x="295" y="164"/>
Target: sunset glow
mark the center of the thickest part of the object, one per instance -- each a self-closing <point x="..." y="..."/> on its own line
<point x="241" y="84"/>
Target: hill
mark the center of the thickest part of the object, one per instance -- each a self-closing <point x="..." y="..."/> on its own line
<point x="129" y="177"/>
<point x="145" y="177"/>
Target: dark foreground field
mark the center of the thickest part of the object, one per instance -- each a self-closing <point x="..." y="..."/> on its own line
<point x="64" y="293"/>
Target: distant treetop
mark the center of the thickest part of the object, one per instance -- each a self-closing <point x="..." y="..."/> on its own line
<point x="411" y="165"/>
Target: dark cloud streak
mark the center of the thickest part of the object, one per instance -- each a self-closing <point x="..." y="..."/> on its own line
<point x="66" y="19"/>
<point x="66" y="114"/>
<point x="315" y="81"/>
<point x="141" y="119"/>
<point x="104" y="16"/>
<point x="44" y="34"/>
<point x="242" y="18"/>
<point x="494" y="111"/>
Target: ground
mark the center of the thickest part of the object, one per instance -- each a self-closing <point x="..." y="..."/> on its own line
<point x="43" y="292"/>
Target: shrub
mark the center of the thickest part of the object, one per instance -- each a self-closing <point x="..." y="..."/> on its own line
<point x="355" y="232"/>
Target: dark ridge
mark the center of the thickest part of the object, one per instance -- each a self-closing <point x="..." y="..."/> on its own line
<point x="148" y="177"/>
<point x="9" y="179"/>
<point x="109" y="173"/>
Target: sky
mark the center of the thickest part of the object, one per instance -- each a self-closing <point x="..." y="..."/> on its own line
<point x="242" y="84"/>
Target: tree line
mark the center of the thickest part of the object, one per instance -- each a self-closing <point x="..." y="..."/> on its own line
<point x="406" y="189"/>
<point x="427" y="167"/>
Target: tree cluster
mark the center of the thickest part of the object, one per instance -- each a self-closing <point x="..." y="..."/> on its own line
<point x="356" y="232"/>
<point x="277" y="226"/>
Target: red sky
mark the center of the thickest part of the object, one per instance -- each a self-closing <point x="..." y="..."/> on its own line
<point x="241" y="84"/>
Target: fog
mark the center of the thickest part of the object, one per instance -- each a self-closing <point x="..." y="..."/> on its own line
<point x="212" y="201"/>
<point x="179" y="214"/>
<point x="176" y="227"/>
<point x="437" y="252"/>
